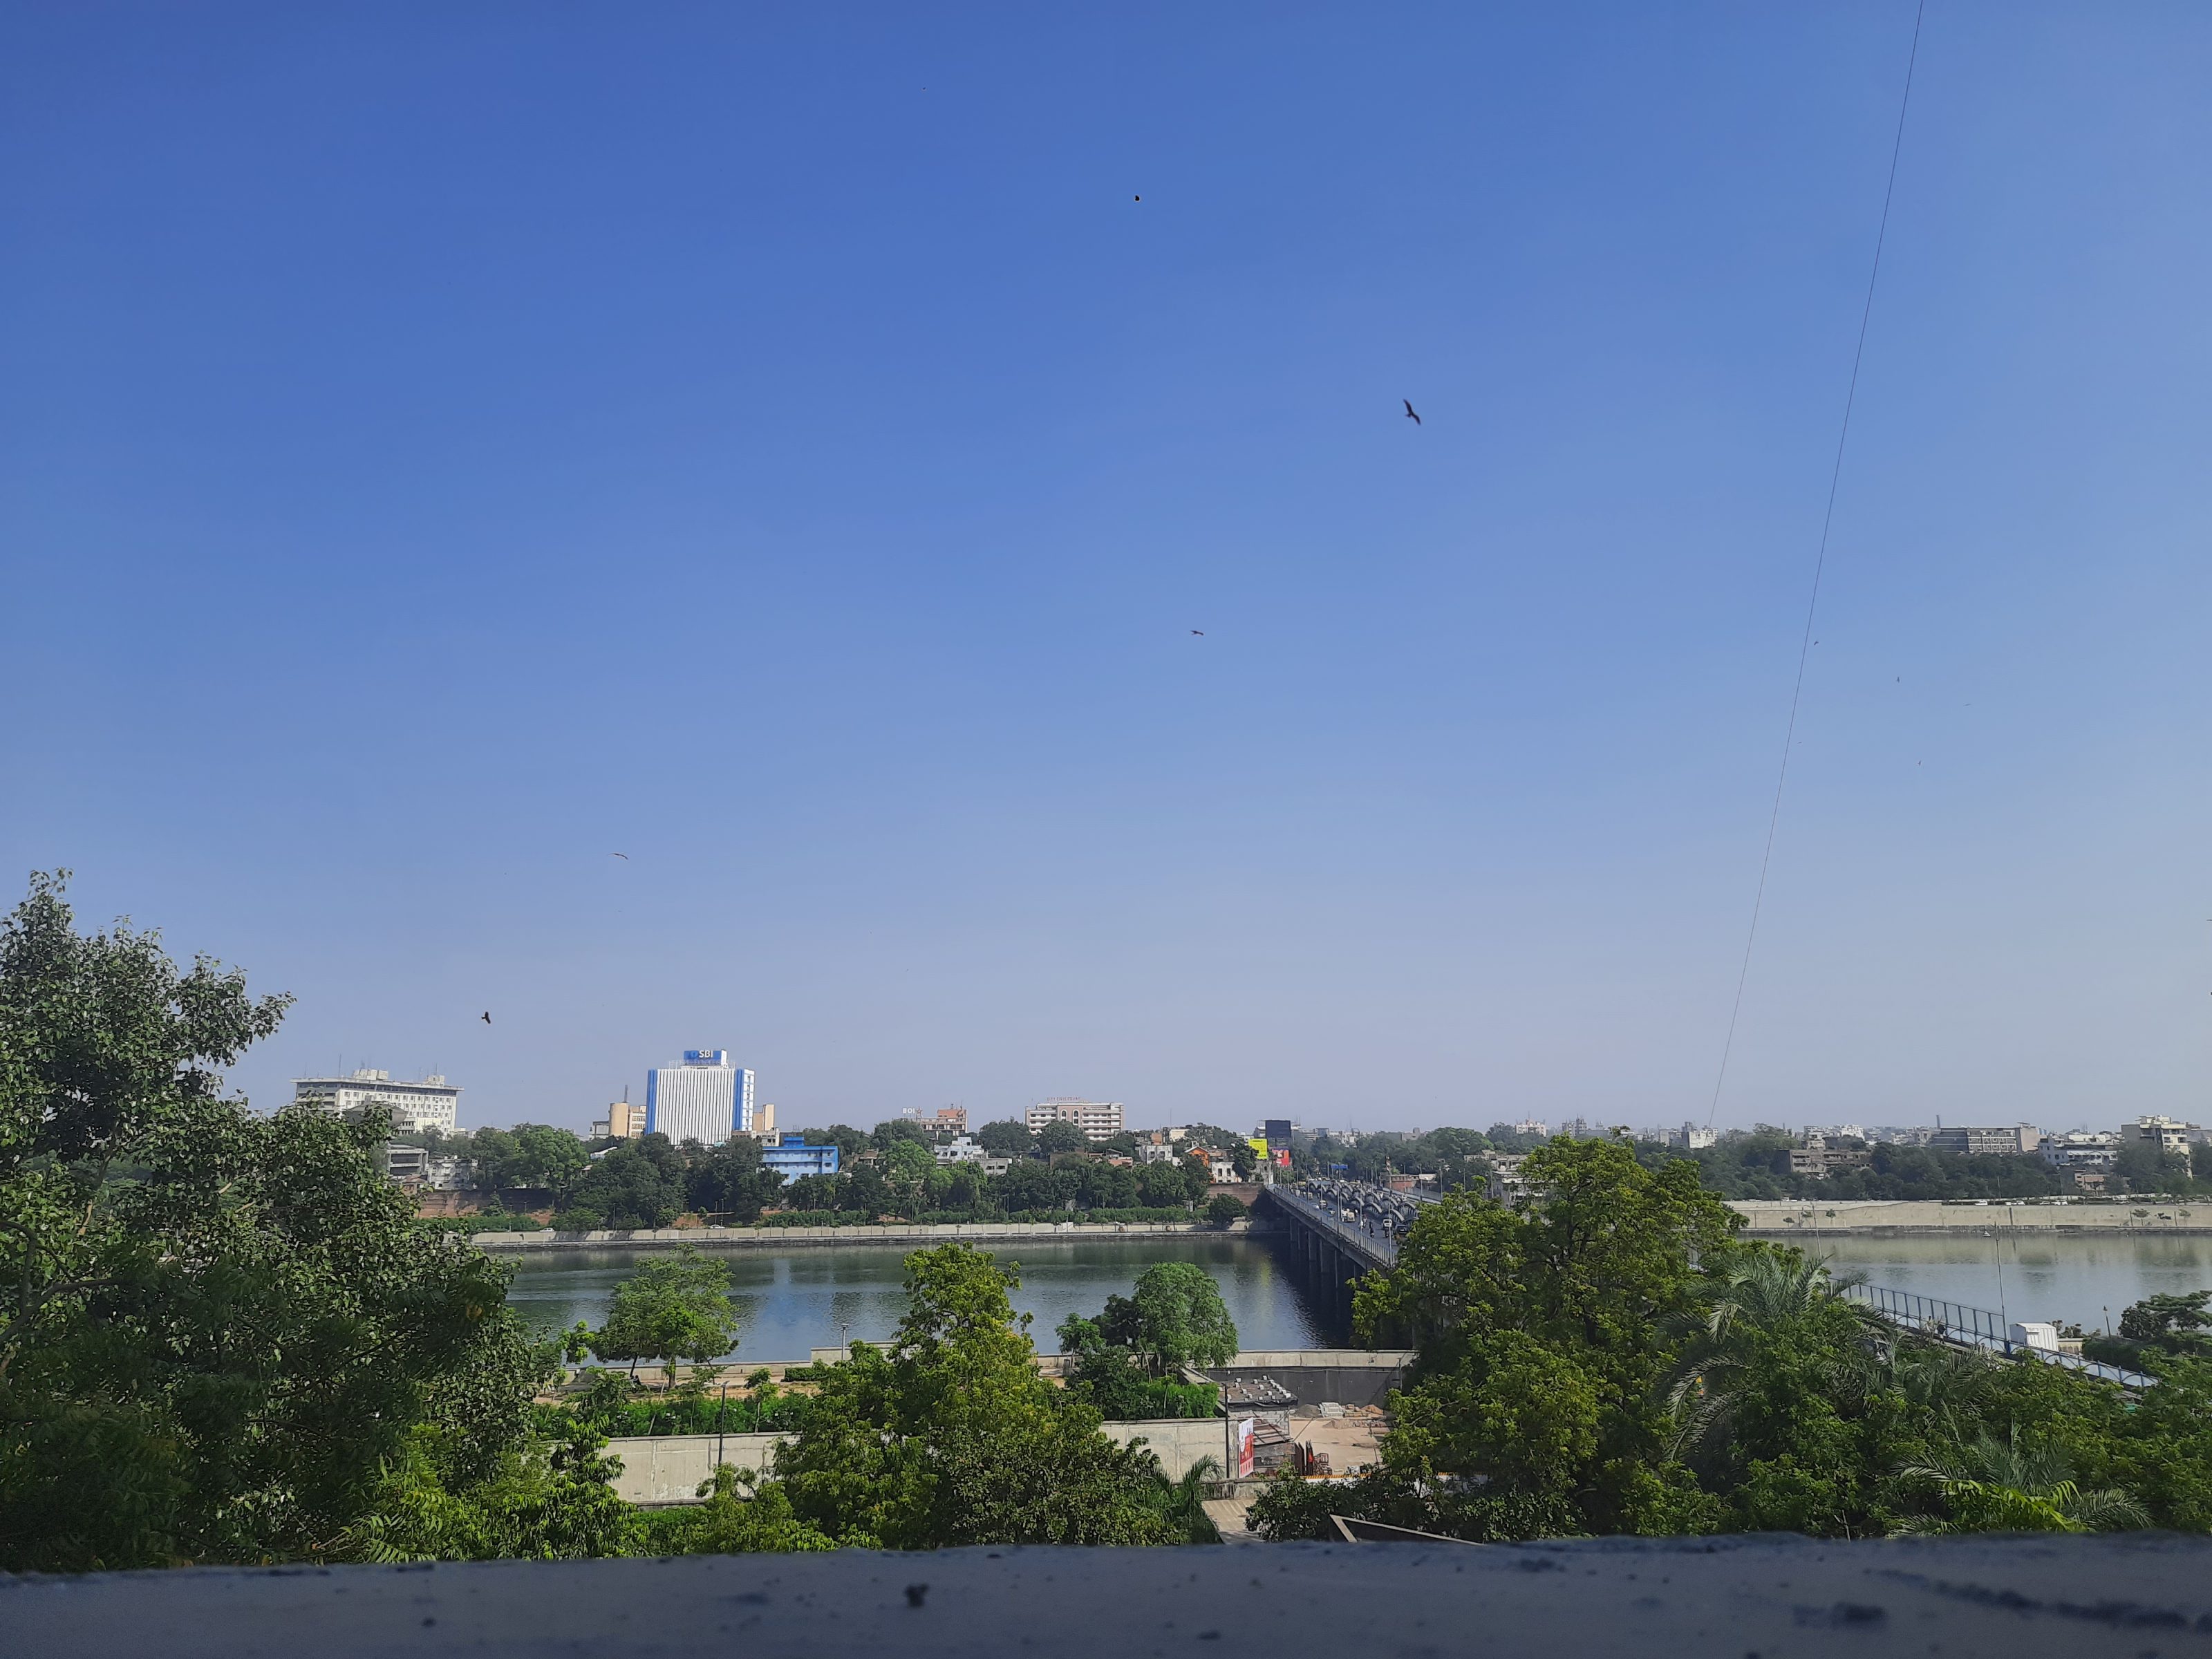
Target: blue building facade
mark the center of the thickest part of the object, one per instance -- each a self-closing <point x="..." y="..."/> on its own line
<point x="790" y="1157"/>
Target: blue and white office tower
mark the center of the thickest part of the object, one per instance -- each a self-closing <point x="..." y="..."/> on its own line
<point x="705" y="1099"/>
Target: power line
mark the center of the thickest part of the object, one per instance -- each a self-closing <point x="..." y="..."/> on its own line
<point x="1820" y="563"/>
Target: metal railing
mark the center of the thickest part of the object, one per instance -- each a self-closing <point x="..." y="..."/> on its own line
<point x="1358" y="1240"/>
<point x="1975" y="1328"/>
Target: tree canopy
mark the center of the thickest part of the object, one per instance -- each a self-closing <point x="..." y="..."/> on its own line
<point x="949" y="1436"/>
<point x="673" y="1307"/>
<point x="221" y="1336"/>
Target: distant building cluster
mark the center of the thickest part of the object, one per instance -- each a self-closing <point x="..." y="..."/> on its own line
<point x="2085" y="1156"/>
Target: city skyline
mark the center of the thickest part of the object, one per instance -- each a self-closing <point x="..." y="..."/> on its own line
<point x="499" y="526"/>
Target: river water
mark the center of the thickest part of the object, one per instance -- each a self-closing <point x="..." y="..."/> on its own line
<point x="792" y="1301"/>
<point x="2084" y="1281"/>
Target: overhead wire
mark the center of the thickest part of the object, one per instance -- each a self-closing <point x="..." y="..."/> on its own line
<point x="1820" y="566"/>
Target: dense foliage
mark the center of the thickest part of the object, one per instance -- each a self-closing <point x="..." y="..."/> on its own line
<point x="222" y="1337"/>
<point x="949" y="1436"/>
<point x="1612" y="1359"/>
<point x="1127" y="1360"/>
<point x="673" y="1307"/>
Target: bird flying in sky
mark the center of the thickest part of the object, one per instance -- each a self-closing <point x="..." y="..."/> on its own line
<point x="1201" y="632"/>
<point x="487" y="1018"/>
<point x="624" y="857"/>
<point x="1410" y="416"/>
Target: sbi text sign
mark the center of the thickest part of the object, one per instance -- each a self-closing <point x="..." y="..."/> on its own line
<point x="706" y="1056"/>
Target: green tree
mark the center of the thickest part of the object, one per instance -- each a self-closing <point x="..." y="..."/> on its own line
<point x="1061" y="1136"/>
<point x="949" y="1437"/>
<point x="1223" y="1208"/>
<point x="849" y="1142"/>
<point x="1180" y="1317"/>
<point x="2175" y="1324"/>
<point x="1008" y="1138"/>
<point x="674" y="1307"/>
<point x="221" y="1334"/>
<point x="631" y="1185"/>
<point x="730" y="1180"/>
<point x="548" y="1157"/>
<point x="2004" y="1485"/>
<point x="1558" y="1320"/>
<point x="740" y="1518"/>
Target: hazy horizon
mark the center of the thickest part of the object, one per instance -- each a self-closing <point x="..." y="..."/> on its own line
<point x="446" y="450"/>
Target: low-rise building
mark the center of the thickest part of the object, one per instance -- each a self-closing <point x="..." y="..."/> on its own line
<point x="790" y="1157"/>
<point x="1156" y="1152"/>
<point x="416" y="1168"/>
<point x="2082" y="1150"/>
<point x="429" y="1104"/>
<point x="1819" y="1160"/>
<point x="962" y="1148"/>
<point x="1693" y="1137"/>
<point x="1220" y="1169"/>
<point x="2020" y="1137"/>
<point x="1099" y="1120"/>
<point x="1505" y="1185"/>
<point x="1837" y="1132"/>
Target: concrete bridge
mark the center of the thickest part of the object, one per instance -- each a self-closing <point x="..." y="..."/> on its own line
<point x="1341" y="1248"/>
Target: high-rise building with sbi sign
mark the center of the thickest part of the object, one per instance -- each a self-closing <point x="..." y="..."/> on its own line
<point x="705" y="1099"/>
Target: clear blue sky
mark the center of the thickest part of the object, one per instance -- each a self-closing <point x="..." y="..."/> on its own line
<point x="443" y="446"/>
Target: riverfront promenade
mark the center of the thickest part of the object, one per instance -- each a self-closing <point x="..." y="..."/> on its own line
<point x="785" y="1238"/>
<point x="1764" y="1219"/>
<point x="1883" y="1218"/>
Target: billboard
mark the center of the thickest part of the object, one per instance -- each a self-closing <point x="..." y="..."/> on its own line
<point x="1244" y="1448"/>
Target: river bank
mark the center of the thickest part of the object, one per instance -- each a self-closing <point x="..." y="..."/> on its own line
<point x="1886" y="1218"/>
<point x="792" y="1238"/>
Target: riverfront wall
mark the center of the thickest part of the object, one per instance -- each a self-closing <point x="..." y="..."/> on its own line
<point x="895" y="1233"/>
<point x="670" y="1468"/>
<point x="1878" y="1217"/>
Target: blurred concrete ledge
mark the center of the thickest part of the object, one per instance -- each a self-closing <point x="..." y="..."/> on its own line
<point x="2142" y="1597"/>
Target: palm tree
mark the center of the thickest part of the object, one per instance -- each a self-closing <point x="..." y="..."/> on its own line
<point x="2000" y="1485"/>
<point x="1182" y="1504"/>
<point x="1947" y="1384"/>
<point x="1765" y="1291"/>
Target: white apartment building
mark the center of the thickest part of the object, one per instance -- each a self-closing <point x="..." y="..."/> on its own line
<point x="1693" y="1137"/>
<point x="430" y="1103"/>
<point x="2081" y="1150"/>
<point x="1099" y="1120"/>
<point x="961" y="1149"/>
<point x="2170" y="1134"/>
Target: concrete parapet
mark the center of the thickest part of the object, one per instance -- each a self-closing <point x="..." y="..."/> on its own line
<point x="2043" y="1597"/>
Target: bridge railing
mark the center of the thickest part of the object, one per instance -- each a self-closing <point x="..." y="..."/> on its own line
<point x="1978" y="1327"/>
<point x="1356" y="1239"/>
